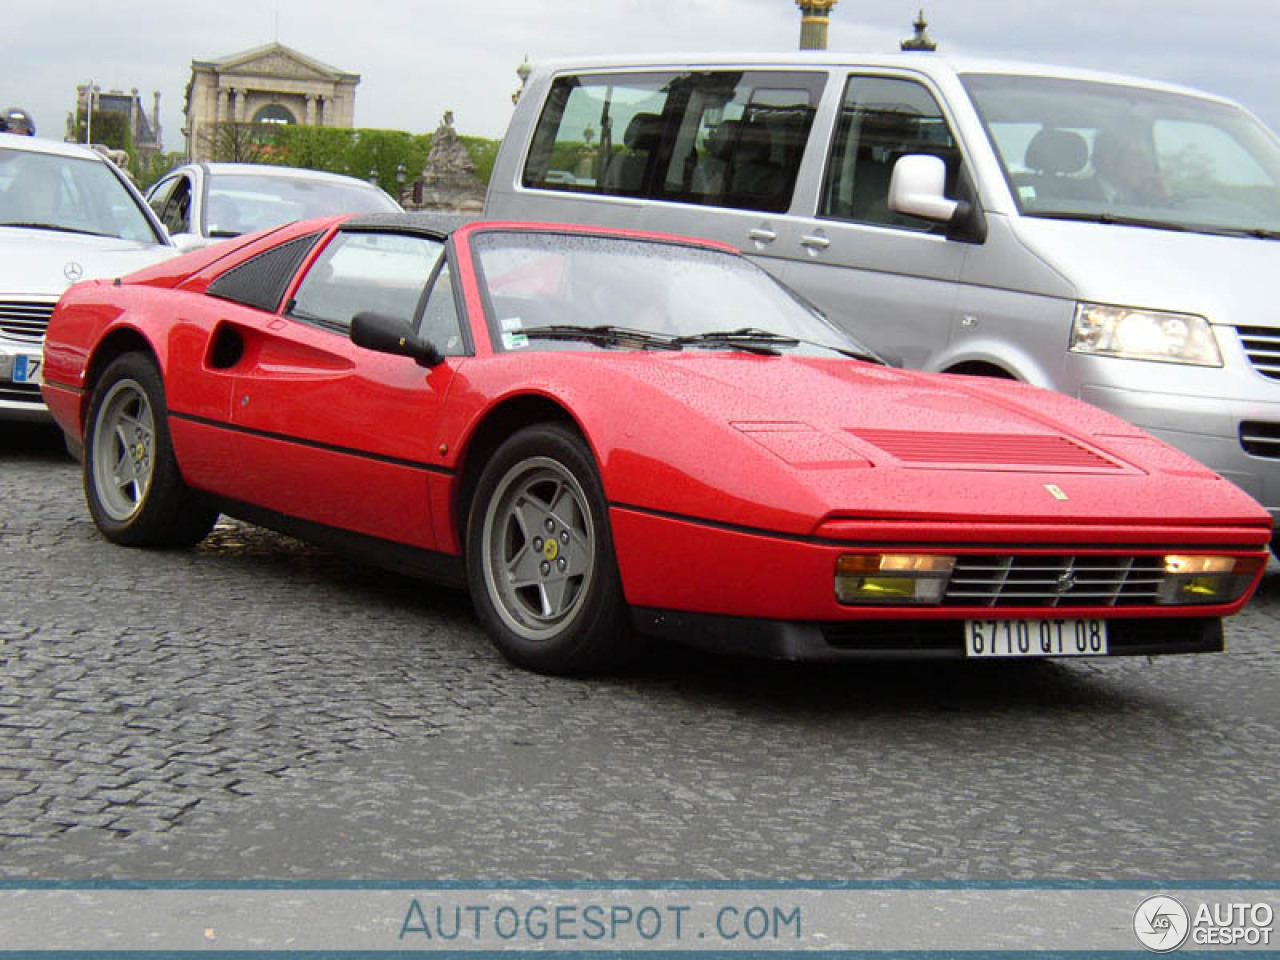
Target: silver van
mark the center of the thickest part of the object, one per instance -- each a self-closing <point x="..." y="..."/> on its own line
<point x="1112" y="238"/>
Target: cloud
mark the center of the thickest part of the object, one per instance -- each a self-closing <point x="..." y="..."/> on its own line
<point x="417" y="59"/>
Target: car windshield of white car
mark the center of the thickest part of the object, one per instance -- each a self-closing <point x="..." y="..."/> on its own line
<point x="245" y="203"/>
<point x="43" y="191"/>
<point x="548" y="290"/>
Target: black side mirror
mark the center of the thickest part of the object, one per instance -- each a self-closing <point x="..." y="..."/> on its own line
<point x="384" y="334"/>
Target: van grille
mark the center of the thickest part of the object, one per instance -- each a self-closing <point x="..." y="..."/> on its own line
<point x="1054" y="581"/>
<point x="25" y="319"/>
<point x="1262" y="345"/>
<point x="1260" y="439"/>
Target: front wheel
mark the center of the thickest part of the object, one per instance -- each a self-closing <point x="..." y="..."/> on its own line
<point x="540" y="560"/>
<point x="135" y="491"/>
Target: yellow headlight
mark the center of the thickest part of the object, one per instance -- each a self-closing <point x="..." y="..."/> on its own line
<point x="1205" y="578"/>
<point x="906" y="578"/>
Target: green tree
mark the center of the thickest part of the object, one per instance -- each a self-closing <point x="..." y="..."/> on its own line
<point x="315" y="148"/>
<point x="382" y="152"/>
<point x="108" y="128"/>
<point x="483" y="154"/>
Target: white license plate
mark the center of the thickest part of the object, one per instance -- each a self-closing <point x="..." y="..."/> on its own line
<point x="1035" y="638"/>
<point x="26" y="368"/>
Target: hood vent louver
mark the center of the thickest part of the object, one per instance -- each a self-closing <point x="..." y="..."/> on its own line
<point x="989" y="451"/>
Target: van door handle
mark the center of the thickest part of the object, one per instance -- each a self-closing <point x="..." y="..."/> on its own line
<point x="762" y="235"/>
<point x="815" y="243"/>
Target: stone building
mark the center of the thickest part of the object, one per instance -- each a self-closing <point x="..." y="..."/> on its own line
<point x="269" y="84"/>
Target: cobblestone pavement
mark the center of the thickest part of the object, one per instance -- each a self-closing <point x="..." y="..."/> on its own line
<point x="260" y="708"/>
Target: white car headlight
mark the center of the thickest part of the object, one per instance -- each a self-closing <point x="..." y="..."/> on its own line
<point x="1134" y="334"/>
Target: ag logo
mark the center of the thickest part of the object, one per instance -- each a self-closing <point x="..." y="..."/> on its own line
<point x="1161" y="923"/>
<point x="72" y="271"/>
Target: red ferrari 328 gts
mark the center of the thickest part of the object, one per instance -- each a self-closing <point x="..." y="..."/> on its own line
<point x="608" y="434"/>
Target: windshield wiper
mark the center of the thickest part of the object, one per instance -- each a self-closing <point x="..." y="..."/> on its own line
<point x="37" y="225"/>
<point x="750" y="339"/>
<point x="755" y="340"/>
<point x="1214" y="231"/>
<point x="1111" y="218"/>
<point x="604" y="335"/>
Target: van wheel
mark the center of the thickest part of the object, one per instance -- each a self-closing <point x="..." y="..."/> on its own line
<point x="540" y="560"/>
<point x="134" y="489"/>
<point x="981" y="370"/>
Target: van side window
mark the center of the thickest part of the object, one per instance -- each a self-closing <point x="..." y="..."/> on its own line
<point x="725" y="138"/>
<point x="598" y="134"/>
<point x="881" y="120"/>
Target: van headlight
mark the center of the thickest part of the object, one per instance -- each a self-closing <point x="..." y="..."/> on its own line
<point x="1133" y="334"/>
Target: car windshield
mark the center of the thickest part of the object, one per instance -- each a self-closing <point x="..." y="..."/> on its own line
<point x="548" y="291"/>
<point x="43" y="191"/>
<point x="243" y="203"/>
<point x="1110" y="152"/>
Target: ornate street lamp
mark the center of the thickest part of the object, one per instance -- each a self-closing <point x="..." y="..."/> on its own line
<point x="920" y="40"/>
<point x="522" y="72"/>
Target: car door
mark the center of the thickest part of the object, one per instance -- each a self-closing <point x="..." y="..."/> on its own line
<point x="171" y="200"/>
<point x="332" y="433"/>
<point x="890" y="279"/>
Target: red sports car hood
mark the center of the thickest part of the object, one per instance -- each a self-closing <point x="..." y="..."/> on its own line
<point x="783" y="443"/>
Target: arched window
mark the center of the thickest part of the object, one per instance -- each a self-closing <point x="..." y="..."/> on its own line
<point x="274" y="113"/>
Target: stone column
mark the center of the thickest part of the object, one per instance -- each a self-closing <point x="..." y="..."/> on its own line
<point x="815" y="18"/>
<point x="221" y="114"/>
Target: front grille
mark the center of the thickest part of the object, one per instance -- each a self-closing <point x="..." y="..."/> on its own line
<point x="24" y="319"/>
<point x="1054" y="581"/>
<point x="1261" y="439"/>
<point x="21" y="392"/>
<point x="1262" y="345"/>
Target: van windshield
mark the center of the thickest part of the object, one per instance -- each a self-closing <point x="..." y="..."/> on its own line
<point x="1117" y="153"/>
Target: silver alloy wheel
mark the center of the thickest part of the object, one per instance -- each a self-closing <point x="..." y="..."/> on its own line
<point x="539" y="548"/>
<point x="123" y="450"/>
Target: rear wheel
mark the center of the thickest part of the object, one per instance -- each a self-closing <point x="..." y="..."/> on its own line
<point x="131" y="480"/>
<point x="540" y="560"/>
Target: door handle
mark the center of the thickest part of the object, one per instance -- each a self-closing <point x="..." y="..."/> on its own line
<point x="762" y="235"/>
<point x="814" y="242"/>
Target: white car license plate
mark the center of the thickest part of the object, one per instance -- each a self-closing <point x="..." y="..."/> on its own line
<point x="1035" y="638"/>
<point x="26" y="368"/>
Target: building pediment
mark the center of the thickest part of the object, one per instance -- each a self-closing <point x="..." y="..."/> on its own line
<point x="277" y="60"/>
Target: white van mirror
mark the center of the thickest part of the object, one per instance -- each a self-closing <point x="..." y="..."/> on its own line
<point x="916" y="188"/>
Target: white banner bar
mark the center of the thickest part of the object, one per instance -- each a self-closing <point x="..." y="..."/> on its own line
<point x="642" y="920"/>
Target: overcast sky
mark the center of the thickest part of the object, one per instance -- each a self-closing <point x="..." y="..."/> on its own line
<point x="418" y="58"/>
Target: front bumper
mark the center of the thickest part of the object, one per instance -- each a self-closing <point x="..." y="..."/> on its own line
<point x="753" y="592"/>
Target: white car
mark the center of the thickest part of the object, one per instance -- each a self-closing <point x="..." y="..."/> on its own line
<point x="200" y="203"/>
<point x="66" y="214"/>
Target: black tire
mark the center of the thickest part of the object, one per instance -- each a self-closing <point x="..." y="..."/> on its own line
<point x="540" y="559"/>
<point x="135" y="491"/>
